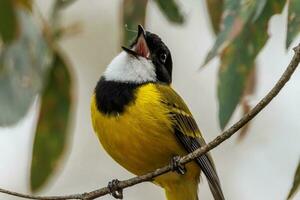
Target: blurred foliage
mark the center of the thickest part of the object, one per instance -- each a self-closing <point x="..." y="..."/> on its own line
<point x="171" y="10"/>
<point x="51" y="137"/>
<point x="8" y="21"/>
<point x="24" y="64"/>
<point x="238" y="58"/>
<point x="215" y="8"/>
<point x="241" y="34"/>
<point x="56" y="100"/>
<point x="293" y="21"/>
<point x="8" y="18"/>
<point x="134" y="13"/>
<point x="249" y="90"/>
<point x="31" y="64"/>
<point x="296" y="184"/>
<point x="236" y="14"/>
<point x="27" y="4"/>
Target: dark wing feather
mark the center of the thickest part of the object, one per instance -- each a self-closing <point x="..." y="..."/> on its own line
<point x="189" y="135"/>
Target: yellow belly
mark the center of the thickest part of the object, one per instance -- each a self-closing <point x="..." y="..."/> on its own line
<point x="141" y="139"/>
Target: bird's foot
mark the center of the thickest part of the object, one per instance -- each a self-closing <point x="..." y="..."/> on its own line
<point x="114" y="189"/>
<point x="176" y="166"/>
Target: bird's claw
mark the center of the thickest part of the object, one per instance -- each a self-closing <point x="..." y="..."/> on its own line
<point x="176" y="166"/>
<point x="114" y="189"/>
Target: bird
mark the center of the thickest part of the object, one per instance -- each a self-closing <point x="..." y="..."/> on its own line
<point x="144" y="124"/>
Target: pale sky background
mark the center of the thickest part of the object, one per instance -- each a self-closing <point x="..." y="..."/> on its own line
<point x="261" y="167"/>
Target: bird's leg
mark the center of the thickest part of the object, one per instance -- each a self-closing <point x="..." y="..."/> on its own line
<point x="114" y="189"/>
<point x="176" y="166"/>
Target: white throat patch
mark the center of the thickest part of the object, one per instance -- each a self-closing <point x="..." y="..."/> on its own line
<point x="126" y="68"/>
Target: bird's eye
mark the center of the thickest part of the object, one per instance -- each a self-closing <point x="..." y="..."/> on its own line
<point x="163" y="57"/>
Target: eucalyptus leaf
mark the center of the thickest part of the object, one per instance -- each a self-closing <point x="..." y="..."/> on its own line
<point x="246" y="107"/>
<point x="236" y="15"/>
<point x="293" y="27"/>
<point x="171" y="10"/>
<point x="24" y="64"/>
<point x="215" y="8"/>
<point x="8" y="21"/>
<point x="133" y="12"/>
<point x="25" y="3"/>
<point x="238" y="58"/>
<point x="52" y="129"/>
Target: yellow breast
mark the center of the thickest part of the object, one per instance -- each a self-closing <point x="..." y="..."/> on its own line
<point x="141" y="139"/>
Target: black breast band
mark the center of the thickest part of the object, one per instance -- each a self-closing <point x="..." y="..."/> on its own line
<point x="112" y="96"/>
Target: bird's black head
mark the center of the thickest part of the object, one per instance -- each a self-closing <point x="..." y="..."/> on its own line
<point x="151" y="47"/>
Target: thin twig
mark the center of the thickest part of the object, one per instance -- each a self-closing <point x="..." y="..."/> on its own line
<point x="26" y="196"/>
<point x="189" y="157"/>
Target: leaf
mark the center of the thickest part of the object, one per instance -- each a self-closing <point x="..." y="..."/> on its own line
<point x="8" y="21"/>
<point x="133" y="12"/>
<point x="24" y="64"/>
<point x="25" y="3"/>
<point x="238" y="58"/>
<point x="296" y="183"/>
<point x="51" y="133"/>
<point x="258" y="10"/>
<point x="171" y="10"/>
<point x="215" y="8"/>
<point x="293" y="27"/>
<point x="248" y="91"/>
<point x="62" y="4"/>
<point x="236" y="15"/>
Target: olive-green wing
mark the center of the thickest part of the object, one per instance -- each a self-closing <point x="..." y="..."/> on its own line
<point x="189" y="135"/>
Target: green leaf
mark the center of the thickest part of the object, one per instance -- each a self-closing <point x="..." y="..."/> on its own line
<point x="24" y="64"/>
<point x="51" y="133"/>
<point x="296" y="183"/>
<point x="215" y="8"/>
<point x="171" y="10"/>
<point x="236" y="15"/>
<point x="134" y="12"/>
<point x="258" y="9"/>
<point x="246" y="107"/>
<point x="62" y="4"/>
<point x="8" y="21"/>
<point x="293" y="27"/>
<point x="238" y="58"/>
<point x="25" y="3"/>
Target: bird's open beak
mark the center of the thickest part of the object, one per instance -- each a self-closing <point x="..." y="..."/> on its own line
<point x="140" y="47"/>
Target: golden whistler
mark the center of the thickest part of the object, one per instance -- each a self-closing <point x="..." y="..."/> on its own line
<point x="143" y="124"/>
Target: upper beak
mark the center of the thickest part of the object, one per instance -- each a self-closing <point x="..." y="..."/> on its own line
<point x="139" y="47"/>
<point x="141" y="31"/>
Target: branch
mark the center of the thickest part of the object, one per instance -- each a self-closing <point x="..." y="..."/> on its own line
<point x="189" y="157"/>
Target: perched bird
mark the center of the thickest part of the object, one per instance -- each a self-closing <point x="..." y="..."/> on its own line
<point x="143" y="123"/>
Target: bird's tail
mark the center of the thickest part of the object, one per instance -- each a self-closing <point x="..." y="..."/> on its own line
<point x="182" y="190"/>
